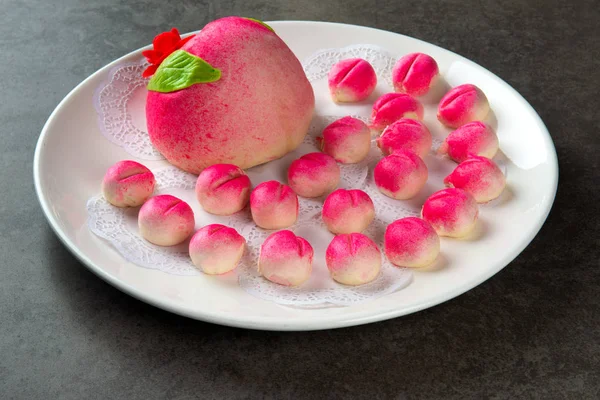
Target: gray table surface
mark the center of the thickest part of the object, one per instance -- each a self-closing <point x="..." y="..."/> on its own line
<point x="532" y="331"/>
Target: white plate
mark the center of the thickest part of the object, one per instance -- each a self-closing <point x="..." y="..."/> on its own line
<point x="72" y="155"/>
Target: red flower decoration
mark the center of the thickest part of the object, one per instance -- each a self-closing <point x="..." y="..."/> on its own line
<point x="164" y="44"/>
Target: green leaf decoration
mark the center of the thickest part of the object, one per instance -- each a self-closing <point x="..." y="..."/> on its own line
<point x="262" y="23"/>
<point x="181" y="70"/>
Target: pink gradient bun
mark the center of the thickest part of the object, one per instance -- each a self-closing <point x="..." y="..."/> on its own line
<point x="259" y="110"/>
<point x="390" y="107"/>
<point x="166" y="220"/>
<point x="348" y="140"/>
<point x="353" y="259"/>
<point x="472" y="139"/>
<point x="313" y="175"/>
<point x="461" y="105"/>
<point x="285" y="259"/>
<point x="405" y="134"/>
<point x="452" y="212"/>
<point x="216" y="249"/>
<point x="128" y="184"/>
<point x="348" y="211"/>
<point x="273" y="205"/>
<point x="400" y="175"/>
<point x="351" y="80"/>
<point x="223" y="189"/>
<point x="411" y="242"/>
<point x="414" y="74"/>
<point x="480" y="177"/>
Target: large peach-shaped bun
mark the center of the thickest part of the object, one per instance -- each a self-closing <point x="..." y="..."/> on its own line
<point x="313" y="175"/>
<point x="414" y="74"/>
<point x="400" y="175"/>
<point x="348" y="211"/>
<point x="128" y="184"/>
<point x="461" y="105"/>
<point x="274" y="205"/>
<point x="411" y="242"/>
<point x="479" y="176"/>
<point x="353" y="259"/>
<point x="472" y="139"/>
<point x="166" y="220"/>
<point x="223" y="189"/>
<point x="390" y="107"/>
<point x="259" y="109"/>
<point x="405" y="134"/>
<point x="452" y="212"/>
<point x="285" y="259"/>
<point x="216" y="249"/>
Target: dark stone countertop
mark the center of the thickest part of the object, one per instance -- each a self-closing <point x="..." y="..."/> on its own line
<point x="532" y="331"/>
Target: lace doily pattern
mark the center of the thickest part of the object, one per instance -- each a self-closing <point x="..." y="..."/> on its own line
<point x="120" y="105"/>
<point x="319" y="64"/>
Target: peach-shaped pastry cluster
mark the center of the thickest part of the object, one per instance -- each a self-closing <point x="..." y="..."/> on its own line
<point x="166" y="220"/>
<point x="273" y="205"/>
<point x="411" y="242"/>
<point x="391" y="107"/>
<point x="285" y="259"/>
<point x="405" y="134"/>
<point x="414" y="74"/>
<point x="348" y="211"/>
<point x="347" y="140"/>
<point x="353" y="259"/>
<point x="452" y="212"/>
<point x="223" y="189"/>
<point x="313" y="175"/>
<point x="480" y="177"/>
<point x="216" y="249"/>
<point x="473" y="139"/>
<point x="247" y="99"/>
<point x="351" y="80"/>
<point x="461" y="105"/>
<point x="400" y="175"/>
<point x="128" y="184"/>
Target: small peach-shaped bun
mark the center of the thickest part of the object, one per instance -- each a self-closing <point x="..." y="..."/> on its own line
<point x="452" y="212"/>
<point x="348" y="211"/>
<point x="313" y="175"/>
<point x="273" y="205"/>
<point x="216" y="249"/>
<point x="479" y="176"/>
<point x="223" y="189"/>
<point x="285" y="259"/>
<point x="472" y="139"/>
<point x="351" y="80"/>
<point x="405" y="134"/>
<point x="414" y="74"/>
<point x="461" y="105"/>
<point x="347" y="140"/>
<point x="166" y="220"/>
<point x="390" y="107"/>
<point x="411" y="242"/>
<point x="400" y="175"/>
<point x="353" y="259"/>
<point x="128" y="184"/>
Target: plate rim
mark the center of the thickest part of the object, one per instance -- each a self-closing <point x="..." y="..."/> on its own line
<point x="271" y="323"/>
